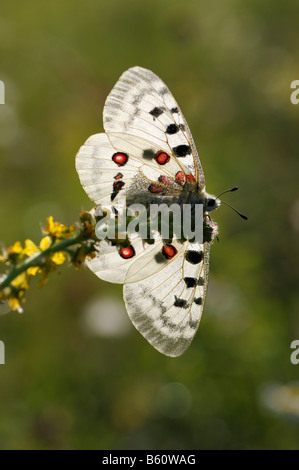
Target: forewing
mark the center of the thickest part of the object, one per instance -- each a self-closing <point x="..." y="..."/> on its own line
<point x="106" y="172"/>
<point x="140" y="104"/>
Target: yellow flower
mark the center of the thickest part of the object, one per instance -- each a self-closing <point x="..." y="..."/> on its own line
<point x="59" y="230"/>
<point x="54" y="228"/>
<point x="45" y="243"/>
<point x="15" y="248"/>
<point x="30" y="248"/>
<point x="14" y="304"/>
<point x="21" y="281"/>
<point x="58" y="258"/>
<point x="32" y="271"/>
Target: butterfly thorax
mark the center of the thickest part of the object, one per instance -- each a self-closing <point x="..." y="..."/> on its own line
<point x="196" y="195"/>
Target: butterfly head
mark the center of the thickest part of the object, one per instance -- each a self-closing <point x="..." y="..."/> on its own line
<point x="211" y="203"/>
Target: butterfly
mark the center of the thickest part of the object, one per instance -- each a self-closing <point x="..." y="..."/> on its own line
<point x="147" y="153"/>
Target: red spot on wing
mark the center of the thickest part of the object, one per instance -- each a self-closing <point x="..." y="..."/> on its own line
<point x="191" y="178"/>
<point x="127" y="252"/>
<point x="180" y="177"/>
<point x="118" y="185"/>
<point x="120" y="158"/>
<point x="156" y="189"/>
<point x="169" y="251"/>
<point x="118" y="176"/>
<point x="162" y="157"/>
<point x="165" y="180"/>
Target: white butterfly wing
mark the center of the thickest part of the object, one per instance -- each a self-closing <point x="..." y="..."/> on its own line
<point x="140" y="104"/>
<point x="112" y="265"/>
<point x="166" y="306"/>
<point x="164" y="297"/>
<point x="148" y="154"/>
<point x="106" y="172"/>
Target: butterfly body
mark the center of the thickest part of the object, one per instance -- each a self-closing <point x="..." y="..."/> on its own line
<point x="147" y="154"/>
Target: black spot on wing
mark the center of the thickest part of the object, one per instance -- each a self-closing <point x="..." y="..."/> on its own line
<point x="194" y="257"/>
<point x="157" y="111"/>
<point x="182" y="303"/>
<point x="148" y="154"/>
<point x="159" y="258"/>
<point x="190" y="281"/>
<point x="198" y="301"/>
<point x="181" y="150"/>
<point x="174" y="110"/>
<point x="172" y="129"/>
<point x="201" y="281"/>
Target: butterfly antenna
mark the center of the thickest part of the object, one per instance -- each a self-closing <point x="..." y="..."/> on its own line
<point x="223" y="202"/>
<point x="228" y="191"/>
<point x="239" y="213"/>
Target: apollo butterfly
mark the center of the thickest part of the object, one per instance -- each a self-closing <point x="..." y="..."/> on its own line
<point x="147" y="153"/>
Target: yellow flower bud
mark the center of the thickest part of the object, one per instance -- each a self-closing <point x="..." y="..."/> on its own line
<point x="14" y="304"/>
<point x="32" y="271"/>
<point x="58" y="258"/>
<point x="21" y="281"/>
<point x="45" y="243"/>
<point x="30" y="248"/>
<point x="15" y="248"/>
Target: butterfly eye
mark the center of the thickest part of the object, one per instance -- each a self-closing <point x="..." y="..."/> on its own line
<point x="211" y="202"/>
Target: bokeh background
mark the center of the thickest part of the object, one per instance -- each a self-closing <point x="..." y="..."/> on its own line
<point x="77" y="374"/>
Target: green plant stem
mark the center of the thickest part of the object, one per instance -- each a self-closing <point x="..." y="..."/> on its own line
<point x="38" y="260"/>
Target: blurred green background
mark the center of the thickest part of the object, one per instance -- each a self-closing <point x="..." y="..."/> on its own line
<point x="77" y="374"/>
